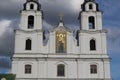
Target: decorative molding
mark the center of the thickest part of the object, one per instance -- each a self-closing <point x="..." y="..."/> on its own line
<point x="28" y="31"/>
<point x="53" y="56"/>
<point x="64" y="78"/>
<point x="93" y="31"/>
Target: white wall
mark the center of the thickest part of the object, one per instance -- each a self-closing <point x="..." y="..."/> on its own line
<point x="22" y="36"/>
<point x="74" y="68"/>
<point x="99" y="37"/>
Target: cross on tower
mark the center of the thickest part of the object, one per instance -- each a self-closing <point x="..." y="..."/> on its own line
<point x="61" y="17"/>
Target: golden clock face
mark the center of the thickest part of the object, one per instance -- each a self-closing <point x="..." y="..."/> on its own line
<point x="61" y="42"/>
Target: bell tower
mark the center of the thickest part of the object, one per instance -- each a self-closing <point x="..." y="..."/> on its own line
<point x="29" y="38"/>
<point x="90" y="17"/>
<point x="92" y="38"/>
<point x="31" y="15"/>
<point x="92" y="41"/>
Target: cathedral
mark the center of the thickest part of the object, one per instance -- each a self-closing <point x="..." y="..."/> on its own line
<point x="61" y="58"/>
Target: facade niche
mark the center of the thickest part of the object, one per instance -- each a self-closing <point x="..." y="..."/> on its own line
<point x="61" y="42"/>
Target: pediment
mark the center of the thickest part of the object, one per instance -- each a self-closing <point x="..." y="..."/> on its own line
<point x="61" y="28"/>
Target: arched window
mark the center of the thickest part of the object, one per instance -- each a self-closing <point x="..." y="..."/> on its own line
<point x="93" y="69"/>
<point x="28" y="44"/>
<point x="91" y="22"/>
<point x="90" y="6"/>
<point x="61" y="70"/>
<point x="30" y="22"/>
<point x="31" y="6"/>
<point x="92" y="44"/>
<point x="28" y="69"/>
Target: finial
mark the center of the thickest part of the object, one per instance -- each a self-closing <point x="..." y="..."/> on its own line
<point x="61" y="17"/>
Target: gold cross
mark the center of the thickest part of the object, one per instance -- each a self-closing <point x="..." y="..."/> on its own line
<point x="61" y="16"/>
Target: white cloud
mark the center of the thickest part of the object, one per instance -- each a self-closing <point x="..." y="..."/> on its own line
<point x="46" y="25"/>
<point x="18" y="1"/>
<point x="113" y="39"/>
<point x="4" y="24"/>
<point x="76" y="4"/>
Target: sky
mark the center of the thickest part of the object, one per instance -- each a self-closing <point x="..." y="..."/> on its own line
<point x="10" y="20"/>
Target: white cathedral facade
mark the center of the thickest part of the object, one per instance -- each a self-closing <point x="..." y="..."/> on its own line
<point x="61" y="58"/>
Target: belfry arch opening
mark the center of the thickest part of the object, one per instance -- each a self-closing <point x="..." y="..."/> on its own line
<point x="31" y="6"/>
<point x="90" y="6"/>
<point x="91" y="20"/>
<point x="30" y="22"/>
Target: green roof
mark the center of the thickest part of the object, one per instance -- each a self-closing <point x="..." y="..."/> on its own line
<point x="7" y="76"/>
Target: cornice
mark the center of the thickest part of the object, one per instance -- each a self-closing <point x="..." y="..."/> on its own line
<point x="28" y="31"/>
<point x="66" y="56"/>
<point x="93" y="31"/>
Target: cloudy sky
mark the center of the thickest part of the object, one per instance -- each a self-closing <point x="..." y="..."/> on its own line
<point x="10" y="20"/>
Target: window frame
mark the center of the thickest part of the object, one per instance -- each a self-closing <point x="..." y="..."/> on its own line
<point x="28" y="69"/>
<point x="93" y="69"/>
<point x="92" y="45"/>
<point x="28" y="44"/>
<point x="63" y="73"/>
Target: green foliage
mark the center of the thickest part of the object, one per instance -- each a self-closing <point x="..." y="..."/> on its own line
<point x="7" y="76"/>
